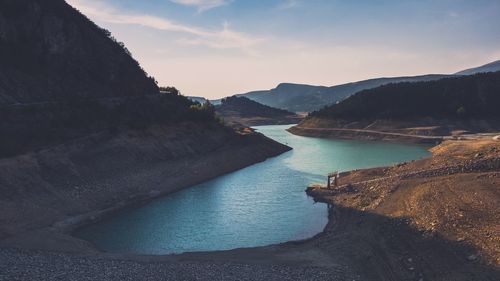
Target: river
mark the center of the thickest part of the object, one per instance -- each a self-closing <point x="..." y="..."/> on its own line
<point x="260" y="205"/>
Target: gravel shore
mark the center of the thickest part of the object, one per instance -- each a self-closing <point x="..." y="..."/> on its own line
<point x="36" y="265"/>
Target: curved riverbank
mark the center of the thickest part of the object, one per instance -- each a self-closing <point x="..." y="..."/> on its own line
<point x="65" y="187"/>
<point x="432" y="219"/>
<point x="422" y="130"/>
<point x="260" y="205"/>
<point x="360" y="134"/>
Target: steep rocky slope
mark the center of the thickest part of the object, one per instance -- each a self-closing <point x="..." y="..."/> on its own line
<point x="50" y="52"/>
<point x="62" y="77"/>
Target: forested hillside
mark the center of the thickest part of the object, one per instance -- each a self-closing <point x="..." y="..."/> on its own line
<point x="63" y="77"/>
<point x="248" y="112"/>
<point x="476" y="96"/>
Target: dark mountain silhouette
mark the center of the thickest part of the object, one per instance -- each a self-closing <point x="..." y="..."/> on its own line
<point x="50" y="52"/>
<point x="248" y="112"/>
<point x="490" y="67"/>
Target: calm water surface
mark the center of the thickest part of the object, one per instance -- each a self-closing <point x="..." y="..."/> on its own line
<point x="259" y="205"/>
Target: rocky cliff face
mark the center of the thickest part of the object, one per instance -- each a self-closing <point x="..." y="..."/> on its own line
<point x="50" y="52"/>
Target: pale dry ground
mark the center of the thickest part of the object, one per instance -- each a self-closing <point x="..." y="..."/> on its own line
<point x="424" y="130"/>
<point x="446" y="206"/>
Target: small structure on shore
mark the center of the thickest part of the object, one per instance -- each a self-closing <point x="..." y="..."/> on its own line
<point x="332" y="176"/>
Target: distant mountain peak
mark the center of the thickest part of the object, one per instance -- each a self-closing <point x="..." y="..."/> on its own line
<point x="307" y="98"/>
<point x="288" y="84"/>
<point x="490" y="67"/>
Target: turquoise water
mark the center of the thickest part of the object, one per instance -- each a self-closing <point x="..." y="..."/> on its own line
<point x="260" y="205"/>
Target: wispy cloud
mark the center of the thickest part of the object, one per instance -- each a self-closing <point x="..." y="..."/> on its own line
<point x="453" y="14"/>
<point x="202" y="5"/>
<point x="225" y="38"/>
<point x="288" y="4"/>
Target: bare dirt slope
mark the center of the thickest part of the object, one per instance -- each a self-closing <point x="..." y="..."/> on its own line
<point x="433" y="219"/>
<point x="424" y="130"/>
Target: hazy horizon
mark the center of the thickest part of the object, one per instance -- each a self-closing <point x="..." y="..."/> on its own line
<point x="217" y="48"/>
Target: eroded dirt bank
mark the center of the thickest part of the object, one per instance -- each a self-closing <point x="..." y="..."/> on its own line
<point x="361" y="134"/>
<point x="425" y="130"/>
<point x="432" y="219"/>
<point x="46" y="194"/>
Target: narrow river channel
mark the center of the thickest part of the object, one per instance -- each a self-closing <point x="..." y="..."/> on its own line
<point x="260" y="205"/>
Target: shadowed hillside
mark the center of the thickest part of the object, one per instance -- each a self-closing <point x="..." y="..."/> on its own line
<point x="63" y="77"/>
<point x="248" y="112"/>
<point x="50" y="52"/>
<point x="461" y="97"/>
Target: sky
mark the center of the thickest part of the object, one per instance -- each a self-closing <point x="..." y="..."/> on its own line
<point x="218" y="48"/>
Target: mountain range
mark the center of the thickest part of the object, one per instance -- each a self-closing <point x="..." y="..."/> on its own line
<point x="490" y="67"/>
<point x="308" y="98"/>
<point x="471" y="96"/>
